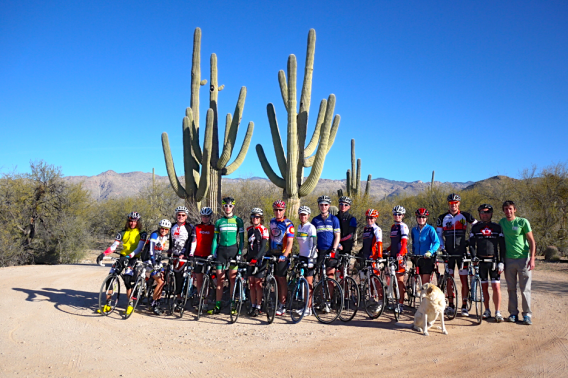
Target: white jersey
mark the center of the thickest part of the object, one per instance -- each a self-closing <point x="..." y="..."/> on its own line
<point x="306" y="237"/>
<point x="179" y="238"/>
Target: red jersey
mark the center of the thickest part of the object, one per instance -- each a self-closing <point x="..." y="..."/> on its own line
<point x="204" y="234"/>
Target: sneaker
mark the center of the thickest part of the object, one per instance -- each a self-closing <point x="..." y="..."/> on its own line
<point x="255" y="312"/>
<point x="158" y="310"/>
<point x="129" y="309"/>
<point x="486" y="314"/>
<point x="464" y="312"/>
<point x="498" y="317"/>
<point x="512" y="319"/>
<point x="527" y="320"/>
<point x="450" y="310"/>
<point x="215" y="310"/>
<point x="326" y="309"/>
<point x="281" y="310"/>
<point x="233" y="309"/>
<point x="400" y="308"/>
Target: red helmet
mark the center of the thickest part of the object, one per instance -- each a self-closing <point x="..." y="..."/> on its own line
<point x="422" y="212"/>
<point x="279" y="204"/>
<point x="372" y="213"/>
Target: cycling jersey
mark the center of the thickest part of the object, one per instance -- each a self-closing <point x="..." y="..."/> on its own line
<point x="157" y="245"/>
<point x="486" y="240"/>
<point x="372" y="242"/>
<point x="452" y="231"/>
<point x="227" y="230"/>
<point x="257" y="242"/>
<point x="132" y="240"/>
<point x="280" y="231"/>
<point x="424" y="240"/>
<point x="326" y="230"/>
<point x="306" y="237"/>
<point x="399" y="239"/>
<point x="180" y="238"/>
<point x="348" y="225"/>
<point x="204" y="234"/>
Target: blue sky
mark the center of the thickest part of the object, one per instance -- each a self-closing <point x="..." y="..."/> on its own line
<point x="470" y="89"/>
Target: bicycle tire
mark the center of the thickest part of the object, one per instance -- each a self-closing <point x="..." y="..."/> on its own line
<point x="236" y="300"/>
<point x="149" y="293"/>
<point x="469" y="294"/>
<point x="170" y="292"/>
<point x="416" y="284"/>
<point x="187" y="283"/>
<point x="409" y="283"/>
<point x="135" y="294"/>
<point x="446" y="283"/>
<point x="203" y="294"/>
<point x="351" y="299"/>
<point x="373" y="297"/>
<point x="327" y="304"/>
<point x="396" y="296"/>
<point x="110" y="281"/>
<point x="477" y="299"/>
<point x="299" y="300"/>
<point x="270" y="298"/>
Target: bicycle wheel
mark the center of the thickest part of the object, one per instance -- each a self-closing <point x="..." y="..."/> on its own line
<point x="109" y="294"/>
<point x="410" y="284"/>
<point x="270" y="298"/>
<point x="451" y="296"/>
<point x="170" y="293"/>
<point x="203" y="295"/>
<point x="135" y="294"/>
<point x="237" y="299"/>
<point x="469" y="294"/>
<point x="477" y="298"/>
<point x="299" y="300"/>
<point x="374" y="298"/>
<point x="396" y="298"/>
<point x="327" y="301"/>
<point x="351" y="299"/>
<point x="187" y="283"/>
<point x="415" y="284"/>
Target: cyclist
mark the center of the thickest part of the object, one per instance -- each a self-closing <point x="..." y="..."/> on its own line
<point x="348" y="225"/>
<point x="451" y="229"/>
<point x="133" y="240"/>
<point x="204" y="233"/>
<point x="182" y="238"/>
<point x="258" y="237"/>
<point x="486" y="241"/>
<point x="398" y="249"/>
<point x="425" y="242"/>
<point x="228" y="243"/>
<point x="281" y="239"/>
<point x="372" y="237"/>
<point x="159" y="241"/>
<point x="306" y="236"/>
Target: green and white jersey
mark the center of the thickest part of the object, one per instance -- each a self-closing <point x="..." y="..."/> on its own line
<point x="306" y="237"/>
<point x="228" y="229"/>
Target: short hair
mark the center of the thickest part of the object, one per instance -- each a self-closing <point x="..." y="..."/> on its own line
<point x="507" y="204"/>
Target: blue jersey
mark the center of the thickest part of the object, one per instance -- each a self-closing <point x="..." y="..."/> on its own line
<point x="326" y="230"/>
<point x="424" y="240"/>
<point x="280" y="231"/>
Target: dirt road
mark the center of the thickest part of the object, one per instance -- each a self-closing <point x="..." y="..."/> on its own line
<point x="49" y="328"/>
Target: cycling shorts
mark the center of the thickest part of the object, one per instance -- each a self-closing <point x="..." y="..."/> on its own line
<point x="281" y="267"/>
<point x="457" y="261"/>
<point x="224" y="255"/>
<point x="308" y="272"/>
<point x="425" y="266"/>
<point x="487" y="272"/>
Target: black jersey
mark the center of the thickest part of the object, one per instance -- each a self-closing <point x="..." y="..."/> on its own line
<point x="348" y="224"/>
<point x="486" y="240"/>
<point x="451" y="230"/>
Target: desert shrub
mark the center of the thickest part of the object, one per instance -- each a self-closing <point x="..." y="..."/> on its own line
<point x="551" y="253"/>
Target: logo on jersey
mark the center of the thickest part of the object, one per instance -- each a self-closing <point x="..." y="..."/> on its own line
<point x="486" y="232"/>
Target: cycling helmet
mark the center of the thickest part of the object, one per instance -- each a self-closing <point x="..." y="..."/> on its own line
<point x="279" y="204"/>
<point x="257" y="211"/>
<point x="134" y="216"/>
<point x="164" y="223"/>
<point x="398" y="210"/>
<point x="372" y="213"/>
<point x="485" y="208"/>
<point x="206" y="211"/>
<point x="454" y="198"/>
<point x="422" y="212"/>
<point x="228" y="201"/>
<point x="324" y="199"/>
<point x="345" y="199"/>
<point x="304" y="210"/>
<point x="182" y="209"/>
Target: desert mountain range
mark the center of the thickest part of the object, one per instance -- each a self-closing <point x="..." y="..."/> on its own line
<point x="110" y="184"/>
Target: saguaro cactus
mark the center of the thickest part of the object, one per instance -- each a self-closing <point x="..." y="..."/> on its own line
<point x="216" y="165"/>
<point x="353" y="182"/>
<point x="298" y="157"/>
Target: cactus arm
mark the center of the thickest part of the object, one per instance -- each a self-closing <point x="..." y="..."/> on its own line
<point x="174" y="181"/>
<point x="358" y="178"/>
<point x="333" y="132"/>
<point x="315" y="137"/>
<point x="348" y="183"/>
<point x="353" y="159"/>
<point x="193" y="143"/>
<point x="196" y="82"/>
<point x="190" y="164"/>
<point x="291" y="179"/>
<point x="312" y="180"/>
<point x="206" y="163"/>
<point x="276" y="139"/>
<point x="272" y="176"/>
<point x="308" y="73"/>
<point x="242" y="153"/>
<point x="232" y="136"/>
<point x="213" y="104"/>
<point x="228" y="121"/>
<point x="368" y="187"/>
<point x="283" y="88"/>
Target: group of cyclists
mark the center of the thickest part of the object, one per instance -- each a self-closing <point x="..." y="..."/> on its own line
<point x="321" y="240"/>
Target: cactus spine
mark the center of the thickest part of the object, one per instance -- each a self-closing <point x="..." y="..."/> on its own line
<point x="206" y="161"/>
<point x="298" y="157"/>
<point x="353" y="181"/>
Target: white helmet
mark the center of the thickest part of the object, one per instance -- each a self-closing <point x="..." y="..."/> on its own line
<point x="398" y="210"/>
<point x="182" y="209"/>
<point x="304" y="210"/>
<point x="324" y="199"/>
<point x="257" y="211"/>
<point x="164" y="223"/>
<point x="206" y="211"/>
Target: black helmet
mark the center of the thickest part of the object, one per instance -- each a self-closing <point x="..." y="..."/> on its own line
<point x="228" y="201"/>
<point x="485" y="208"/>
<point x="454" y="197"/>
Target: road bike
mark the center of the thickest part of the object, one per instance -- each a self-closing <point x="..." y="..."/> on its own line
<point x="447" y="284"/>
<point x="299" y="295"/>
<point x="393" y="294"/>
<point x="110" y="288"/>
<point x="327" y="299"/>
<point x="139" y="289"/>
<point x="371" y="287"/>
<point x="238" y="297"/>
<point x="475" y="294"/>
<point x="270" y="290"/>
<point x="351" y="293"/>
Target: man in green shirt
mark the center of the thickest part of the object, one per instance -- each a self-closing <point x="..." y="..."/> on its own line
<point x="519" y="261"/>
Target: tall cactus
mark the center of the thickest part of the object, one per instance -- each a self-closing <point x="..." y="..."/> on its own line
<point x="298" y="157"/>
<point x="353" y="182"/>
<point x="207" y="161"/>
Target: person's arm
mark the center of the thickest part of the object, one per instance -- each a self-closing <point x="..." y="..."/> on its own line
<point x="241" y="227"/>
<point x="440" y="232"/>
<point x="532" y="250"/>
<point x="472" y="244"/>
<point x="435" y="241"/>
<point x="215" y="237"/>
<point x="290" y="237"/>
<point x="336" y="232"/>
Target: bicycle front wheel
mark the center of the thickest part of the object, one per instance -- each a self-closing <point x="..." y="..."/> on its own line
<point x="237" y="299"/>
<point x="109" y="294"/>
<point x="351" y="299"/>
<point x="327" y="301"/>
<point x="299" y="300"/>
<point x="477" y="298"/>
<point x="270" y="298"/>
<point x="451" y="294"/>
<point x="170" y="292"/>
<point x="135" y="294"/>
<point x="374" y="299"/>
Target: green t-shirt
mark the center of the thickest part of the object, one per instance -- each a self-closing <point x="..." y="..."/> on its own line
<point x="228" y="229"/>
<point x="516" y="241"/>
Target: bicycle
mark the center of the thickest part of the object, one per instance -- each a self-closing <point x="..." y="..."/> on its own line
<point x="169" y="291"/>
<point x="393" y="294"/>
<point x="371" y="288"/>
<point x="238" y="296"/>
<point x="270" y="290"/>
<point x="448" y="285"/>
<point x="475" y="294"/>
<point x="327" y="299"/>
<point x="139" y="289"/>
<point x="300" y="294"/>
<point x="208" y="287"/>
<point x="110" y="289"/>
<point x="413" y="281"/>
<point x="351" y="293"/>
<point x="187" y="286"/>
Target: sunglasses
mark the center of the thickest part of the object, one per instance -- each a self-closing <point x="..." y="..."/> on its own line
<point x="371" y="218"/>
<point x="182" y="215"/>
<point x="228" y="205"/>
<point x="162" y="229"/>
<point x="344" y="204"/>
<point x="278" y="209"/>
<point x="397" y="215"/>
<point x="324" y="204"/>
<point x="255" y="216"/>
<point x="454" y="202"/>
<point x="421" y="217"/>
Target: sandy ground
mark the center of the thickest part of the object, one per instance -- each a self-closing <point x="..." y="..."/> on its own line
<point x="49" y="328"/>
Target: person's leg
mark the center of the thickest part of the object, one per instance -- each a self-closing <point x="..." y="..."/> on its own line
<point x="159" y="287"/>
<point x="485" y="287"/>
<point x="199" y="281"/>
<point x="401" y="287"/>
<point x="425" y="278"/>
<point x="511" y="278"/>
<point x="252" y="288"/>
<point x="232" y="278"/>
<point x="496" y="286"/>
<point x="282" y="290"/>
<point x="220" y="281"/>
<point x="525" y="278"/>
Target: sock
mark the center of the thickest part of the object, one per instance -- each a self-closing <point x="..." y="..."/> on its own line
<point x="218" y="304"/>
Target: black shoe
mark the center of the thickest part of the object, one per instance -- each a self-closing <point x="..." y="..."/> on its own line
<point x="158" y="311"/>
<point x="255" y="312"/>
